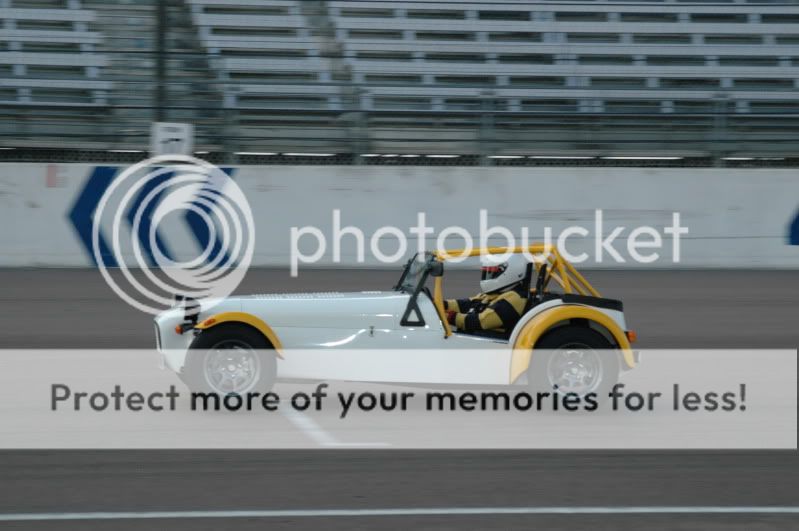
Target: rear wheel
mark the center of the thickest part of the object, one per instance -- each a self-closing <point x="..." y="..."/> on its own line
<point x="230" y="358"/>
<point x="574" y="359"/>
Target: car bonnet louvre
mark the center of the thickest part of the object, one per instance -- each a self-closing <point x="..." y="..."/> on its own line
<point x="300" y="296"/>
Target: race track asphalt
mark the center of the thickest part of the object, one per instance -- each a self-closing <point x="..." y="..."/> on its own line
<point x="668" y="309"/>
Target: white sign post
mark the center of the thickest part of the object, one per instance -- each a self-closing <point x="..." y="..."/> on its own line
<point x="171" y="139"/>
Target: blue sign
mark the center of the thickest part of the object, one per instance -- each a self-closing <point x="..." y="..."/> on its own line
<point x="81" y="215"/>
<point x="200" y="229"/>
<point x="146" y="221"/>
<point x="793" y="231"/>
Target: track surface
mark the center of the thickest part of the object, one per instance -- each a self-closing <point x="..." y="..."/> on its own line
<point x="73" y="308"/>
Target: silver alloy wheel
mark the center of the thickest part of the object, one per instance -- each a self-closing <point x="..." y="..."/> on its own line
<point x="575" y="368"/>
<point x="232" y="366"/>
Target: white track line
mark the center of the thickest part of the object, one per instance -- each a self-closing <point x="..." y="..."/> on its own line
<point x="359" y="445"/>
<point x="318" y="434"/>
<point x="307" y="426"/>
<point x="442" y="511"/>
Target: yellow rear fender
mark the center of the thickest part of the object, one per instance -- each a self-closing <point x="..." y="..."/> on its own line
<point x="536" y="327"/>
<point x="247" y="319"/>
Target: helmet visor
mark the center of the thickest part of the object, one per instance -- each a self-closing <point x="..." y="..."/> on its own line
<point x="489" y="272"/>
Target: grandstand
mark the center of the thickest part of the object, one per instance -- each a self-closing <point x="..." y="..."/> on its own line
<point x="407" y="82"/>
<point x="49" y="64"/>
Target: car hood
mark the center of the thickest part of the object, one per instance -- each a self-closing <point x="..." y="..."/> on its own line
<point x="324" y="309"/>
<point x="323" y="295"/>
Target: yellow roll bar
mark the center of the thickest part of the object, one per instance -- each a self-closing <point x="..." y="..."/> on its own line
<point x="559" y="270"/>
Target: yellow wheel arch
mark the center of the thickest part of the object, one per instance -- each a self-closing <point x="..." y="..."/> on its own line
<point x="244" y="318"/>
<point x="543" y="322"/>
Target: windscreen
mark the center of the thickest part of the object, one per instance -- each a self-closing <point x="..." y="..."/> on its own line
<point x="416" y="269"/>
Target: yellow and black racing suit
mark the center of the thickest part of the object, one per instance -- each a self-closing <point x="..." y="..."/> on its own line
<point x="497" y="312"/>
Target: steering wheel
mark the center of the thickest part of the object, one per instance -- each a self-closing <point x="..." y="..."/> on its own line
<point x="539" y="283"/>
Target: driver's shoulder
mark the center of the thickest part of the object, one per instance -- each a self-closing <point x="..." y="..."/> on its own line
<point x="515" y="293"/>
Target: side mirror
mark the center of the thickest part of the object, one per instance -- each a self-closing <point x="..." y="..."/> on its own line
<point x="437" y="269"/>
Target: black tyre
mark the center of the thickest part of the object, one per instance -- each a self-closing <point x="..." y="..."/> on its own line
<point x="230" y="358"/>
<point x="574" y="359"/>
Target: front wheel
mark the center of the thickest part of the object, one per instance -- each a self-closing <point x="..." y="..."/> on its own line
<point x="574" y="359"/>
<point x="230" y="359"/>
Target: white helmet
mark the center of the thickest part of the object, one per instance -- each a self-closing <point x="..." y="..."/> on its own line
<point x="495" y="276"/>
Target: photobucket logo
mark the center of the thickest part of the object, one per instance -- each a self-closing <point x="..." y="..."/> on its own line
<point x="157" y="196"/>
<point x="576" y="243"/>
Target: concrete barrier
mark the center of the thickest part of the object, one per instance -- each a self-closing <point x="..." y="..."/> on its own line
<point x="736" y="218"/>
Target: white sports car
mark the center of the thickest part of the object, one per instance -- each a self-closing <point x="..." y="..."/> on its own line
<point x="569" y="337"/>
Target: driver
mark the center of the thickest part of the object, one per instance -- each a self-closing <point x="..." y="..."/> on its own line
<point x="502" y="301"/>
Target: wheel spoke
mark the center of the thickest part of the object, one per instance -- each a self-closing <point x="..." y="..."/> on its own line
<point x="575" y="368"/>
<point x="232" y="366"/>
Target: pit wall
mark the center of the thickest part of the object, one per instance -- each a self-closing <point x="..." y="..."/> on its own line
<point x="737" y="218"/>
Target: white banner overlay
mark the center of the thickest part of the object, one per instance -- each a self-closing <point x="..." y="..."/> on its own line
<point x="686" y="399"/>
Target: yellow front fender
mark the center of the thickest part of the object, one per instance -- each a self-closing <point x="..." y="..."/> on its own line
<point x="538" y="325"/>
<point x="244" y="318"/>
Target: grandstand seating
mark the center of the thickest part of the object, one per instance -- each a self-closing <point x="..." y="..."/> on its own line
<point x="48" y="55"/>
<point x="598" y="56"/>
<point x="51" y="72"/>
<point x="400" y="59"/>
<point x="471" y="77"/>
<point x="266" y="48"/>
